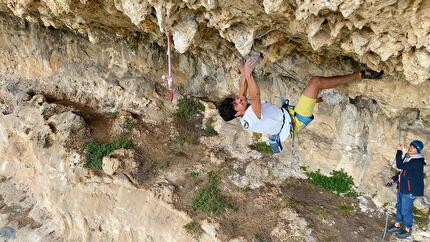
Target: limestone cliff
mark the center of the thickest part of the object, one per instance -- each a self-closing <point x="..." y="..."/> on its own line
<point x="62" y="63"/>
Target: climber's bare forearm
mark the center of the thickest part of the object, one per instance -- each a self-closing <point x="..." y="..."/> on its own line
<point x="243" y="87"/>
<point x="254" y="94"/>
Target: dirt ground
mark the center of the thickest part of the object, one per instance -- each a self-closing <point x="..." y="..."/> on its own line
<point x="256" y="213"/>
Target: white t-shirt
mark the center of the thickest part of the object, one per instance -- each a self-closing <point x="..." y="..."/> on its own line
<point x="270" y="121"/>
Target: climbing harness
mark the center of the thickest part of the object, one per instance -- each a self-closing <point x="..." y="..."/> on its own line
<point x="275" y="140"/>
<point x="286" y="107"/>
<point x="169" y="77"/>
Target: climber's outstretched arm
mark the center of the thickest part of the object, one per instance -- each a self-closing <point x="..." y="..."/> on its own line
<point x="253" y="89"/>
<point x="254" y="95"/>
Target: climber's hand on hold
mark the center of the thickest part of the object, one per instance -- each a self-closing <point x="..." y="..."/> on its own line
<point x="250" y="64"/>
<point x="400" y="147"/>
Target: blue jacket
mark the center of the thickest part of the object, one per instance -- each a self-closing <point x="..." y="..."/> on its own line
<point x="411" y="178"/>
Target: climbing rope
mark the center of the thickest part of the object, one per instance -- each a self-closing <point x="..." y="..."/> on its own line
<point x="289" y="74"/>
<point x="386" y="224"/>
<point x="169" y="77"/>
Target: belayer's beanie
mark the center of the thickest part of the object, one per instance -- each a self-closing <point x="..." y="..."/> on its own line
<point x="418" y="145"/>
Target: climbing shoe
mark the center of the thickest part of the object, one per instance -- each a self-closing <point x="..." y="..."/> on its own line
<point x="369" y="74"/>
<point x="403" y="234"/>
<point x="394" y="229"/>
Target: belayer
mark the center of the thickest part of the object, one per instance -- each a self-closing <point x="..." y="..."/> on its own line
<point x="410" y="184"/>
<point x="267" y="118"/>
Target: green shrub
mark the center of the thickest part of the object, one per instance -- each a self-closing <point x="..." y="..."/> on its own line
<point x="209" y="199"/>
<point x="209" y="128"/>
<point x="188" y="108"/>
<point x="194" y="229"/>
<point x="261" y="147"/>
<point x="96" y="151"/>
<point x="121" y="143"/>
<point x="338" y="182"/>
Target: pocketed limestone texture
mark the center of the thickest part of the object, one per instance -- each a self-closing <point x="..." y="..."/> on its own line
<point x="107" y="57"/>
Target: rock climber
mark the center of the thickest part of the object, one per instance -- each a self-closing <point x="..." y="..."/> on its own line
<point x="410" y="185"/>
<point x="266" y="118"/>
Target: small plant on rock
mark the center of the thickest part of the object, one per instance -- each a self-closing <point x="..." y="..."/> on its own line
<point x="345" y="209"/>
<point x="194" y="229"/>
<point x="261" y="147"/>
<point x="96" y="151"/>
<point x="338" y="182"/>
<point x="195" y="176"/>
<point x="209" y="128"/>
<point x="129" y="124"/>
<point x="188" y="108"/>
<point x="114" y="114"/>
<point x="209" y="199"/>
